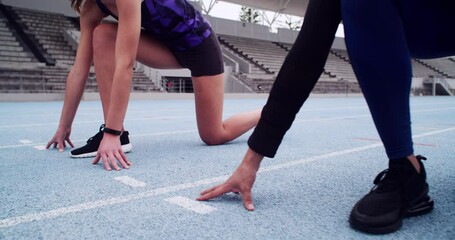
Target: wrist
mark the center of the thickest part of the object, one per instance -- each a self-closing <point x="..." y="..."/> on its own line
<point x="252" y="159"/>
<point x="111" y="131"/>
<point x="63" y="127"/>
<point x="110" y="137"/>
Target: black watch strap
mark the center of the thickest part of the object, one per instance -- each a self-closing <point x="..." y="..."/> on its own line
<point x="112" y="131"/>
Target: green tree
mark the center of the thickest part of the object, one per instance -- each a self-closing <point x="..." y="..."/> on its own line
<point x="248" y="14"/>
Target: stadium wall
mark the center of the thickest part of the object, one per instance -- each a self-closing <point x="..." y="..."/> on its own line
<point x="256" y="31"/>
<point x="221" y="26"/>
<point x="59" y="6"/>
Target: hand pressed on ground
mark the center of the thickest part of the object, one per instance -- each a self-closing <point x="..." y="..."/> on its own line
<point x="110" y="151"/>
<point x="241" y="181"/>
<point x="59" y="139"/>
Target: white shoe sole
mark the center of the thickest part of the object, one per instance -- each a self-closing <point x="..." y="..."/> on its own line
<point x="125" y="148"/>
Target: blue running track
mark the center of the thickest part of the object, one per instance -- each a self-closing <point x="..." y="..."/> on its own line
<point x="326" y="162"/>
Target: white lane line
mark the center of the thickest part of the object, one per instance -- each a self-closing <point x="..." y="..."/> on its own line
<point x="189" y="117"/>
<point x="130" y="181"/>
<point x="25" y="141"/>
<point x="163" y="133"/>
<point x="40" y="147"/>
<point x="311" y="159"/>
<point x="94" y="121"/>
<point x="190" y="204"/>
<point x="378" y="140"/>
<point x="433" y="109"/>
<point x="190" y="131"/>
<point x="131" y="135"/>
<point x="9" y="222"/>
<point x="366" y="115"/>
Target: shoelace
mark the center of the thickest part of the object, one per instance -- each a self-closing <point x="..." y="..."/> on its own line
<point x="387" y="180"/>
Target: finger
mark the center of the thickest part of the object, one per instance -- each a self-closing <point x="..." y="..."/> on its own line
<point x="49" y="144"/>
<point x="105" y="160"/>
<point x="121" y="161"/>
<point x="113" y="162"/>
<point x="69" y="141"/>
<point x="125" y="158"/>
<point x="60" y="146"/>
<point x="210" y="189"/>
<point x="248" y="200"/>
<point x="215" y="193"/>
<point x="97" y="159"/>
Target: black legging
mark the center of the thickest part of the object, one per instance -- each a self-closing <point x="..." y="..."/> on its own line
<point x="298" y="75"/>
<point x="381" y="37"/>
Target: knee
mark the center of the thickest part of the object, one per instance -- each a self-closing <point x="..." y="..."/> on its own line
<point x="104" y="37"/>
<point x="212" y="139"/>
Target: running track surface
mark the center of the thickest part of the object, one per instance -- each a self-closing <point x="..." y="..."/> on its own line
<point x="327" y="161"/>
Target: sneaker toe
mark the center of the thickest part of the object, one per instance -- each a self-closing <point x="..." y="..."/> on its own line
<point x="374" y="215"/>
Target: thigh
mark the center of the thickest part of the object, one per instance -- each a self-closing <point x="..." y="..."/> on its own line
<point x="155" y="54"/>
<point x="429" y="27"/>
<point x="205" y="59"/>
<point x="379" y="53"/>
<point x="151" y="52"/>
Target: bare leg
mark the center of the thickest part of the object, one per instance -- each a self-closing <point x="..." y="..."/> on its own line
<point x="104" y="61"/>
<point x="209" y="91"/>
<point x="150" y="52"/>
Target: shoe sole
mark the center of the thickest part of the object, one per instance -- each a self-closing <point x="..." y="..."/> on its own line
<point x="125" y="148"/>
<point x="423" y="207"/>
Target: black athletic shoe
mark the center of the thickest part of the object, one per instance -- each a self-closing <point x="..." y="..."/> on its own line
<point x="400" y="192"/>
<point x="91" y="148"/>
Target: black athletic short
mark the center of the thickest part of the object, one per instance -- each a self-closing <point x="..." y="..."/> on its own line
<point x="204" y="59"/>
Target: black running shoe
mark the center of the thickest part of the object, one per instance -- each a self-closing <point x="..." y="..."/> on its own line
<point x="400" y="192"/>
<point x="91" y="148"/>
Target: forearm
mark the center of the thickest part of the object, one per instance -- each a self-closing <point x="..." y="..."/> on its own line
<point x="298" y="75"/>
<point x="119" y="97"/>
<point x="75" y="85"/>
<point x="77" y="78"/>
<point x="127" y="42"/>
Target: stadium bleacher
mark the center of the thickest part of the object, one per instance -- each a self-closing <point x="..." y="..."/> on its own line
<point x="48" y="28"/>
<point x="11" y="50"/>
<point x="21" y="70"/>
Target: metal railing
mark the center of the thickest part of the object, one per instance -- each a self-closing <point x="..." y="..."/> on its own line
<point x="20" y="85"/>
<point x="155" y="77"/>
<point x="440" y="81"/>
